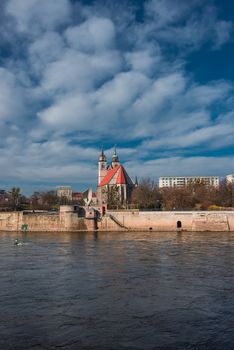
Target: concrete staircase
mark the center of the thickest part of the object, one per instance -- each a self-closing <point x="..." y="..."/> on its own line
<point x="113" y="218"/>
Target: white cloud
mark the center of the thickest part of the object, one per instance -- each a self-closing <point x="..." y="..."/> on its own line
<point x="10" y="90"/>
<point x="144" y="60"/>
<point x="223" y="33"/>
<point x="71" y="113"/>
<point x="81" y="111"/>
<point x="195" y="138"/>
<point x="182" y="166"/>
<point x="52" y="162"/>
<point x="118" y="94"/>
<point x="44" y="50"/>
<point x="158" y="96"/>
<point x="205" y="95"/>
<point x="187" y="24"/>
<point x="166" y="12"/>
<point x="96" y="34"/>
<point x="75" y="80"/>
<point x="35" y="15"/>
<point x="79" y="71"/>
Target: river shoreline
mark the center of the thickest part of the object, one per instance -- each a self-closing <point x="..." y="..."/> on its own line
<point x="67" y="220"/>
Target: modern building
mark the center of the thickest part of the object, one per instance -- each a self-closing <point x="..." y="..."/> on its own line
<point x="182" y="181"/>
<point x="64" y="193"/>
<point x="230" y="178"/>
<point x="114" y="183"/>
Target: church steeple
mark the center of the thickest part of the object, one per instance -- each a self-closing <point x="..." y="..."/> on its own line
<point x="102" y="157"/>
<point x="136" y="182"/>
<point x="115" y="159"/>
<point x="102" y="166"/>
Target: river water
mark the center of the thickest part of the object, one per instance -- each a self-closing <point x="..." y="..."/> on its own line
<point x="117" y="291"/>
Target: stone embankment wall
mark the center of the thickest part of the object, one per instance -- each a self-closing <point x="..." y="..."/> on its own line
<point x="167" y="221"/>
<point x="68" y="220"/>
<point x="65" y="220"/>
<point x="10" y="221"/>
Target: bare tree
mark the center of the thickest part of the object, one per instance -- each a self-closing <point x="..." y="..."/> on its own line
<point x="147" y="195"/>
<point x="177" y="198"/>
<point x="15" y="196"/>
<point x="112" y="196"/>
<point x="44" y="200"/>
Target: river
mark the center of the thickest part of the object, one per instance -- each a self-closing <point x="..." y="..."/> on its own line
<point x="117" y="291"/>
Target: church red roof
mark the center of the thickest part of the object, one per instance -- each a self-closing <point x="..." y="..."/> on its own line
<point x="120" y="174"/>
<point x="109" y="176"/>
<point x="121" y="177"/>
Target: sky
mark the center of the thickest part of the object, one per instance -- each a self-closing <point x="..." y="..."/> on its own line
<point x="154" y="77"/>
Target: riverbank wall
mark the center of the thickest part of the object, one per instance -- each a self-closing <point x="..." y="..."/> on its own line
<point x="133" y="220"/>
<point x="167" y="221"/>
<point x="65" y="220"/>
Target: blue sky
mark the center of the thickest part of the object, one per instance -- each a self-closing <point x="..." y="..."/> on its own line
<point x="154" y="77"/>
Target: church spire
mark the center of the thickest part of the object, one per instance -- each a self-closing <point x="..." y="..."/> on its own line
<point x="102" y="166"/>
<point x="136" y="182"/>
<point x="115" y="159"/>
<point x="102" y="157"/>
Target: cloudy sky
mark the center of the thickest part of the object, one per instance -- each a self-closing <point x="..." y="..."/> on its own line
<point x="154" y="77"/>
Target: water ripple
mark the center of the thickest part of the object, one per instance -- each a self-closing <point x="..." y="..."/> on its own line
<point x="117" y="291"/>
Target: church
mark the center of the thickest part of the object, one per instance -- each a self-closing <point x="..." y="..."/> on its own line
<point x="114" y="184"/>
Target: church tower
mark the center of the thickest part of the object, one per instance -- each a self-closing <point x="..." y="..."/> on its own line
<point x="102" y="167"/>
<point x="115" y="159"/>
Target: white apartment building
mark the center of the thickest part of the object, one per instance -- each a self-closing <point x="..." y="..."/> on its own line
<point x="230" y="178"/>
<point x="64" y="192"/>
<point x="182" y="181"/>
